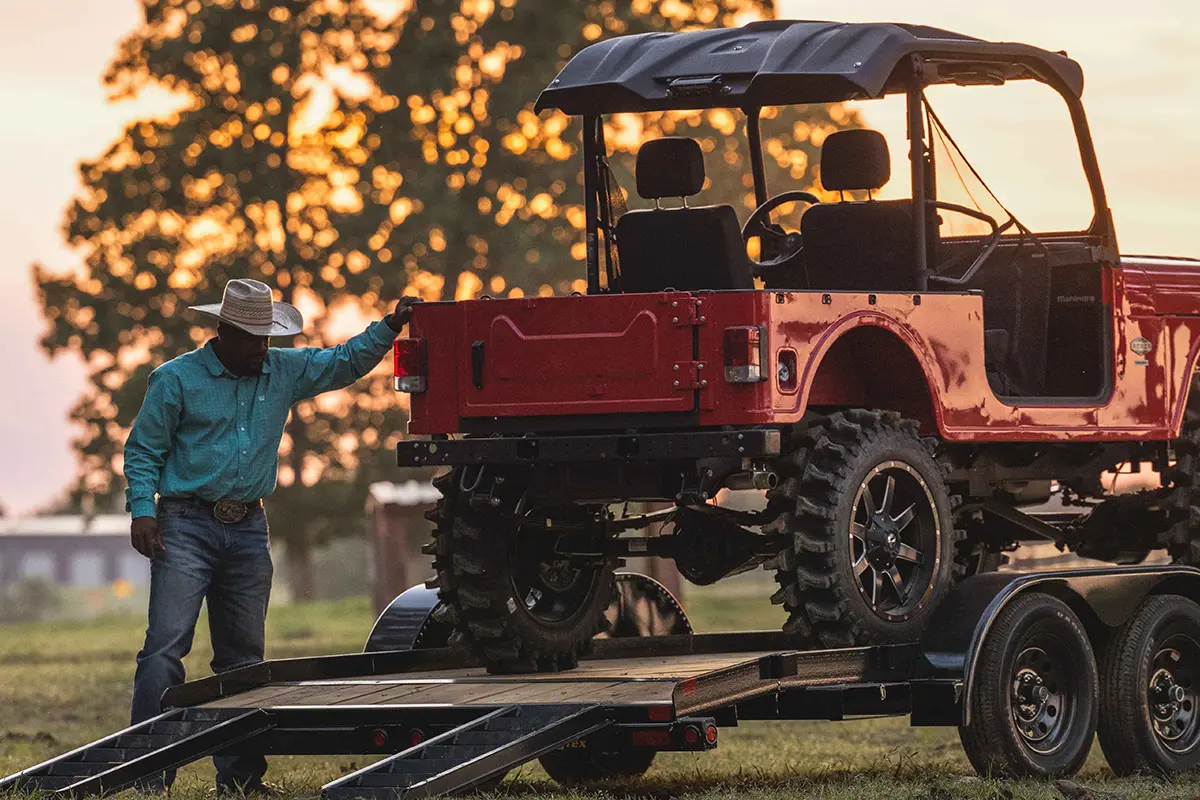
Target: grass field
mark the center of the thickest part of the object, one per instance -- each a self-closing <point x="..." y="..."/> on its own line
<point x="64" y="684"/>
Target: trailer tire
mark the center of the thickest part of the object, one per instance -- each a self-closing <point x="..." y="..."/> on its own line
<point x="1150" y="690"/>
<point x="482" y="577"/>
<point x="839" y="468"/>
<point x="572" y="766"/>
<point x="1033" y="705"/>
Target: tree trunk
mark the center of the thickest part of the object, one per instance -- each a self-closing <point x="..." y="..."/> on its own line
<point x="301" y="578"/>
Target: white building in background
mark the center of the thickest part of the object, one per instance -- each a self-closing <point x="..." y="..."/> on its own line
<point x="70" y="551"/>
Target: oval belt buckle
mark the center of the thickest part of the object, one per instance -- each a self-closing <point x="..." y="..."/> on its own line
<point x="229" y="511"/>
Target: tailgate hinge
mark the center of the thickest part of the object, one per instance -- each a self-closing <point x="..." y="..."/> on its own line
<point x="687" y="313"/>
<point x="690" y="375"/>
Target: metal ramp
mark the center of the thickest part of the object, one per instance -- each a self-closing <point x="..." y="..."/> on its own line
<point x="117" y="762"/>
<point x="471" y="754"/>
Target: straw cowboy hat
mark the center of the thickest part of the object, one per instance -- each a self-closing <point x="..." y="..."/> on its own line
<point x="248" y="305"/>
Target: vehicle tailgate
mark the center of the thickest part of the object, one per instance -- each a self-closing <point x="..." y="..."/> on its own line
<point x="576" y="355"/>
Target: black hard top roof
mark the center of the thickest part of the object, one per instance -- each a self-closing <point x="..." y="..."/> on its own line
<point x="784" y="62"/>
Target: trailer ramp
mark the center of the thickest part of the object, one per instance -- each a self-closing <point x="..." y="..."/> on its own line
<point x="116" y="762"/>
<point x="467" y="756"/>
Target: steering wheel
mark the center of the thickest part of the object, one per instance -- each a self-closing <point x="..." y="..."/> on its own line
<point x="788" y="246"/>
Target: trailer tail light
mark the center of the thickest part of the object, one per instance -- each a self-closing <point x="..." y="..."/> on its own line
<point x="743" y="353"/>
<point x="410" y="365"/>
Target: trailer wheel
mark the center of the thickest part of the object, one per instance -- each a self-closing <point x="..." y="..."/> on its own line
<point x="518" y="611"/>
<point x="868" y="515"/>
<point x="1033" y="706"/>
<point x="1150" y="690"/>
<point x="572" y="766"/>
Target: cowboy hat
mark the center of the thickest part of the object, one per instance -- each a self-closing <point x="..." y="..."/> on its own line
<point x="248" y="305"/>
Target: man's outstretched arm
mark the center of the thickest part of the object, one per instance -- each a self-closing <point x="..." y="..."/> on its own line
<point x="145" y="454"/>
<point x="326" y="369"/>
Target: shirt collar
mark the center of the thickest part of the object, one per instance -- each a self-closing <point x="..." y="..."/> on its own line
<point x="217" y="369"/>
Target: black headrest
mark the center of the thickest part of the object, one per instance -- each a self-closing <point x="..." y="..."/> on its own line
<point x="669" y="167"/>
<point x="855" y="160"/>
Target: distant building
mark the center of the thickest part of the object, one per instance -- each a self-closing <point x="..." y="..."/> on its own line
<point x="398" y="529"/>
<point x="70" y="551"/>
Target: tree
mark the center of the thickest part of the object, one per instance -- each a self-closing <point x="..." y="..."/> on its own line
<point x="261" y="172"/>
<point x="344" y="151"/>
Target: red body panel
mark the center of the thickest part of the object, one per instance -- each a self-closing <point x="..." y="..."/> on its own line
<point x="919" y="354"/>
<point x="553" y="356"/>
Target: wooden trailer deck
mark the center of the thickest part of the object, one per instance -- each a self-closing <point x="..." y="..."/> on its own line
<point x="624" y="682"/>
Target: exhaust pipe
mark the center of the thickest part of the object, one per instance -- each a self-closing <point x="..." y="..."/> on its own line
<point x="752" y="479"/>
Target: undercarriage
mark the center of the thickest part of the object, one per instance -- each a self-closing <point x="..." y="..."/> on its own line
<point x="865" y="522"/>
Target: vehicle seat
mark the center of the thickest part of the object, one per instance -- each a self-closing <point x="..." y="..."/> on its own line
<point x="866" y="246"/>
<point x="679" y="248"/>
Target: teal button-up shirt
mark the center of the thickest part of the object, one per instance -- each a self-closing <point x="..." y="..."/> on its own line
<point x="204" y="432"/>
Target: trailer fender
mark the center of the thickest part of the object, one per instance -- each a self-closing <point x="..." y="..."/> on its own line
<point x="641" y="606"/>
<point x="1102" y="598"/>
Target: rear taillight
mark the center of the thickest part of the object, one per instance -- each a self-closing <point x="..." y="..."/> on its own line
<point x="409" y="365"/>
<point x="743" y="353"/>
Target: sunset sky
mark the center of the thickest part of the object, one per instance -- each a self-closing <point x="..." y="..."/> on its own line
<point x="1142" y="65"/>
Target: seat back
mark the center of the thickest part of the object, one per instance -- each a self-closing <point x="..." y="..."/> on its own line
<point x="859" y="245"/>
<point x="679" y="248"/>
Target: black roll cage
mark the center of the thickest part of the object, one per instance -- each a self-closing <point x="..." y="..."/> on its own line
<point x="918" y="72"/>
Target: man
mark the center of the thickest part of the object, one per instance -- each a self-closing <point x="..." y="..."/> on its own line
<point x="206" y="441"/>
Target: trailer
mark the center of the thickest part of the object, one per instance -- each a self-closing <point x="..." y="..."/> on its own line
<point x="1028" y="667"/>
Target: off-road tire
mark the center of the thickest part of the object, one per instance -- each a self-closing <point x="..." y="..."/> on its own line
<point x="572" y="766"/>
<point x="993" y="741"/>
<point x="1182" y="537"/>
<point x="1128" y="732"/>
<point x="819" y="479"/>
<point x="474" y="550"/>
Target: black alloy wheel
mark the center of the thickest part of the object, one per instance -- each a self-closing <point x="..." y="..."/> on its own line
<point x="866" y="511"/>
<point x="1150" y="690"/>
<point x="1032" y="698"/>
<point x="893" y="539"/>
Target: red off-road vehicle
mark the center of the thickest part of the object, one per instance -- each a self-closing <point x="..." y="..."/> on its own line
<point x="899" y="390"/>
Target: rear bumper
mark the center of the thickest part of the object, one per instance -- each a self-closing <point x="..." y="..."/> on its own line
<point x="749" y="443"/>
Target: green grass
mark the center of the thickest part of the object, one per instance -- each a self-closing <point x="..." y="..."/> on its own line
<point x="64" y="684"/>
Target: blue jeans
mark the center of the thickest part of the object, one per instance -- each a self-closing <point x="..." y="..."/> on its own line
<point x="229" y="565"/>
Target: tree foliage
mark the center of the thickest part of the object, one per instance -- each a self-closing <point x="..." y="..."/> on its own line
<point x="346" y="151"/>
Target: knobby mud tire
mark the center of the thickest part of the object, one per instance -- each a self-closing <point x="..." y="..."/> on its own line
<point x="472" y="550"/>
<point x="815" y="497"/>
<point x="1182" y="537"/>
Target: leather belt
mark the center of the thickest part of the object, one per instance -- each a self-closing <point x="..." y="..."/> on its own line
<point x="225" y="510"/>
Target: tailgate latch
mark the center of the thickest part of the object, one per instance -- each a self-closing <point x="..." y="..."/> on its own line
<point x="690" y="375"/>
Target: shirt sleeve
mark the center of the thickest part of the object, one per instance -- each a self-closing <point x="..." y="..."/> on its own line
<point x="320" y="370"/>
<point x="150" y="440"/>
